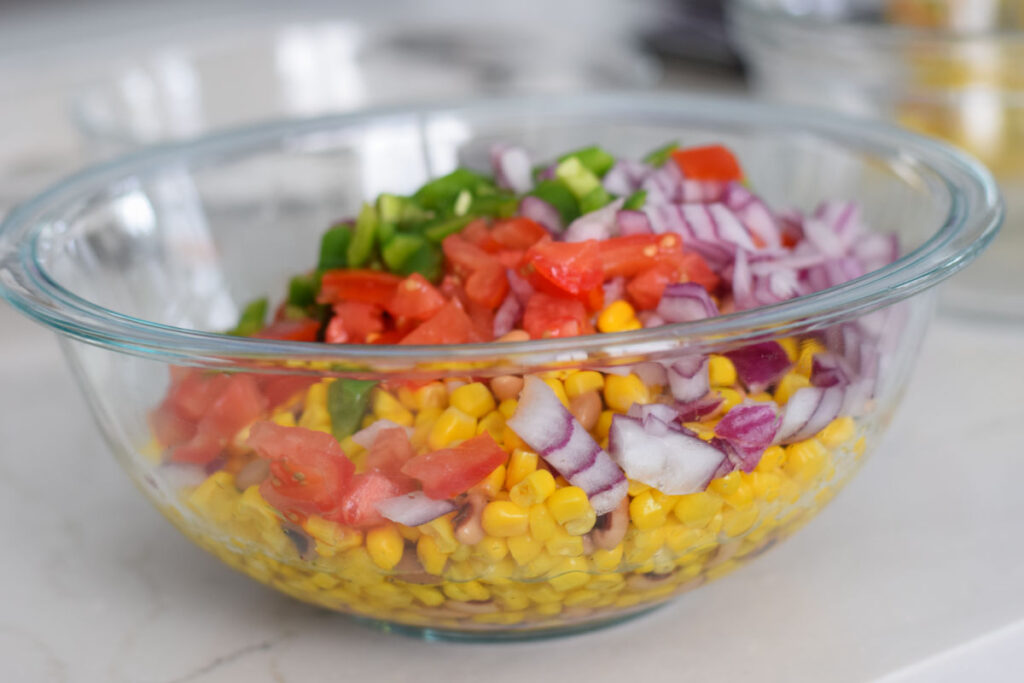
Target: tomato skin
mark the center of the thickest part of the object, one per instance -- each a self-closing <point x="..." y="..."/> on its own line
<point x="713" y="162"/>
<point x="465" y="257"/>
<point x="565" y="268"/>
<point x="630" y="255"/>
<point x="308" y="470"/>
<point x="518" y="232"/>
<point x="695" y="269"/>
<point x="487" y="286"/>
<point x="450" y="471"/>
<point x="549" y="316"/>
<point x="645" y="289"/>
<point x="390" y="450"/>
<point x="450" y="325"/>
<point x="478" y="234"/>
<point x="358" y="507"/>
<point x="302" y="329"/>
<point x="239" y="403"/>
<point x="279" y="388"/>
<point x="193" y="392"/>
<point x="415" y="298"/>
<point x="362" y="285"/>
<point x="169" y="428"/>
<point x="353" y="321"/>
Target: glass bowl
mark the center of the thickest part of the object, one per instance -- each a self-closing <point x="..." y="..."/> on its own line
<point x="137" y="262"/>
<point x="956" y="77"/>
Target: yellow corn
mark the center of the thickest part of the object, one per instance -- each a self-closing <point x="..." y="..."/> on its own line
<point x="583" y="381"/>
<point x="422" y="426"/>
<point x="556" y="386"/>
<point x="646" y="512"/>
<point x="285" y="418"/>
<point x="431" y="395"/>
<point x="562" y="544"/>
<point x="788" y="385"/>
<point x="534" y="488"/>
<point x="493" y="482"/>
<point x="524" y="549"/>
<point x="721" y="371"/>
<point x="805" y="460"/>
<point x="766" y="485"/>
<point x="607" y="560"/>
<point x="735" y="522"/>
<point x="473" y="399"/>
<point x="430" y="555"/>
<point x="620" y="392"/>
<point x="314" y="413"/>
<point x="616" y="317"/>
<point x="520" y="464"/>
<point x="838" y="432"/>
<point x="452" y="427"/>
<point x="582" y="525"/>
<point x="569" y="574"/>
<point x="387" y="407"/>
<point x="726" y="485"/>
<point x="771" y="459"/>
<point x="604" y="424"/>
<point x="491" y="549"/>
<point x="428" y="595"/>
<point x="507" y="408"/>
<point x="805" y="359"/>
<point x="504" y="518"/>
<point x="790" y="346"/>
<point x="510" y="440"/>
<point x="730" y="398"/>
<point x="493" y="423"/>
<point x="743" y="496"/>
<point x="568" y="503"/>
<point x="443" y="534"/>
<point x="216" y="497"/>
<point x="542" y="524"/>
<point x="697" y="509"/>
<point x="385" y="546"/>
<point x="331" y="537"/>
<point x="636" y="487"/>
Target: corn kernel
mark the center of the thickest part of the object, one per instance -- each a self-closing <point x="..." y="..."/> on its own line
<point x="285" y="418"/>
<point x="771" y="459"/>
<point x="620" y="392"/>
<point x="533" y="489"/>
<point x="331" y="536"/>
<point x="504" y="518"/>
<point x="646" y="512"/>
<point x="507" y="408"/>
<point x="431" y="396"/>
<point x="542" y="523"/>
<point x="582" y="381"/>
<point x="568" y="503"/>
<point x="616" y="317"/>
<point x="452" y="427"/>
<point x="743" y="496"/>
<point x="216" y="496"/>
<point x="582" y="525"/>
<point x="385" y="546"/>
<point x="569" y="574"/>
<point x="788" y="385"/>
<point x="491" y="549"/>
<point x="561" y="544"/>
<point x="556" y="386"/>
<point x="838" y="432"/>
<point x="524" y="549"/>
<point x="805" y="460"/>
<point x="859" y="446"/>
<point x="510" y="440"/>
<point x="428" y="595"/>
<point x="805" y="359"/>
<point x="735" y="522"/>
<point x="520" y="464"/>
<point x="680" y="538"/>
<point x="513" y="598"/>
<point x="721" y="371"/>
<point x="697" y="509"/>
<point x="637" y="487"/>
<point x="387" y="407"/>
<point x="473" y="399"/>
<point x="766" y="485"/>
<point x="728" y="484"/>
<point x="430" y="555"/>
<point x="604" y="424"/>
<point x="607" y="560"/>
<point x="730" y="398"/>
<point x="442" y="532"/>
<point x="492" y="423"/>
<point x="492" y="484"/>
<point x="791" y="347"/>
<point x="314" y="414"/>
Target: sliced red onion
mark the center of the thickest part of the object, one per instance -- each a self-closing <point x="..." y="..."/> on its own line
<point x="659" y="411"/>
<point x="651" y="373"/>
<point x="633" y="222"/>
<point x="808" y="411"/>
<point x="742" y="282"/>
<point x="688" y="378"/>
<point x="673" y="462"/>
<point x="614" y="289"/>
<point x="544" y="423"/>
<point x="664" y="185"/>
<point x="699" y="409"/>
<point x="685" y="301"/>
<point x="701" y="191"/>
<point x="518" y="285"/>
<point x="875" y="251"/>
<point x="827" y="371"/>
<point x="596" y="225"/>
<point x="543" y="212"/>
<point x="650" y="319"/>
<point x="625" y="177"/>
<point x="717" y="254"/>
<point x="511" y="166"/>
<point x="749" y="428"/>
<point x="760" y="365"/>
<point x="507" y="315"/>
<point x="821" y="236"/>
<point x="843" y="218"/>
<point x="365" y="437"/>
<point x="753" y="212"/>
<point x="547" y="173"/>
<point x="413" y="509"/>
<point x="728" y="462"/>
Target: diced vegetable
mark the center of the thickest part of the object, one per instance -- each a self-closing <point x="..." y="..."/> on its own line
<point x="594" y="159"/>
<point x="361" y="245"/>
<point x="451" y="471"/>
<point x="251" y="320"/>
<point x="347" y="402"/>
<point x="659" y="156"/>
<point x="334" y="248"/>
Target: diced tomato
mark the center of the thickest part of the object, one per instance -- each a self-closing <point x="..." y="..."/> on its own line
<point x="300" y="329"/>
<point x="201" y="449"/>
<point x="280" y="388"/>
<point x="482" y="319"/>
<point x="713" y="162"/>
<point x="487" y="286"/>
<point x="450" y="325"/>
<point x="478" y="234"/>
<point x="645" y="289"/>
<point x="465" y="257"/>
<point x="239" y="404"/>
<point x="633" y="254"/>
<point x="695" y="269"/>
<point x="387" y="337"/>
<point x="518" y="233"/>
<point x="551" y="316"/>
<point x="170" y="428"/>
<point x="365" y="286"/>
<point x="359" y="504"/>
<point x="415" y="298"/>
<point x="190" y="397"/>
<point x="353" y="321"/>
<point x="565" y="268"/>
<point x="308" y="470"/>
<point x="389" y="452"/>
<point x="511" y="258"/>
<point x="450" y="471"/>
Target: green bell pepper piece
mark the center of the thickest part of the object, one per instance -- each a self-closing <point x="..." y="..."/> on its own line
<point x="594" y="159"/>
<point x="302" y="291"/>
<point x="659" y="156"/>
<point x="578" y="178"/>
<point x="594" y="200"/>
<point x="347" y="402"/>
<point x="251" y="320"/>
<point x="361" y="247"/>
<point x="557" y="194"/>
<point x="437" y="230"/>
<point x="439" y="195"/>
<point x="636" y="201"/>
<point x="334" y="248"/>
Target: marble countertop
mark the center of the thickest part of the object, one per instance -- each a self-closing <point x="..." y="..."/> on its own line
<point x="912" y="572"/>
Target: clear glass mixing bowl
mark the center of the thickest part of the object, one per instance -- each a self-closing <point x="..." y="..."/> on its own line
<point x="137" y="263"/>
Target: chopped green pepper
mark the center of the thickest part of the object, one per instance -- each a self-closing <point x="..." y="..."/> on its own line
<point x="392" y="208"/>
<point x="385" y="229"/>
<point x="659" y="156"/>
<point x="594" y="200"/>
<point x="557" y="194"/>
<point x="636" y="201"/>
<point x="251" y="320"/>
<point x="347" y="401"/>
<point x="437" y="230"/>
<point x="578" y="178"/>
<point x="594" y="159"/>
<point x="397" y="251"/>
<point x="302" y="291"/>
<point x="334" y="247"/>
<point x="440" y="194"/>
<point x="462" y="203"/>
<point x="503" y="205"/>
<point x="361" y="246"/>
<point x="427" y="260"/>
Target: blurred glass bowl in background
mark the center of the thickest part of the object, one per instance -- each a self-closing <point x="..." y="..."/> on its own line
<point x="948" y="69"/>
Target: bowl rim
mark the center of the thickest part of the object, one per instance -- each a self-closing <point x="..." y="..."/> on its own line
<point x="821" y="29"/>
<point x="975" y="213"/>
